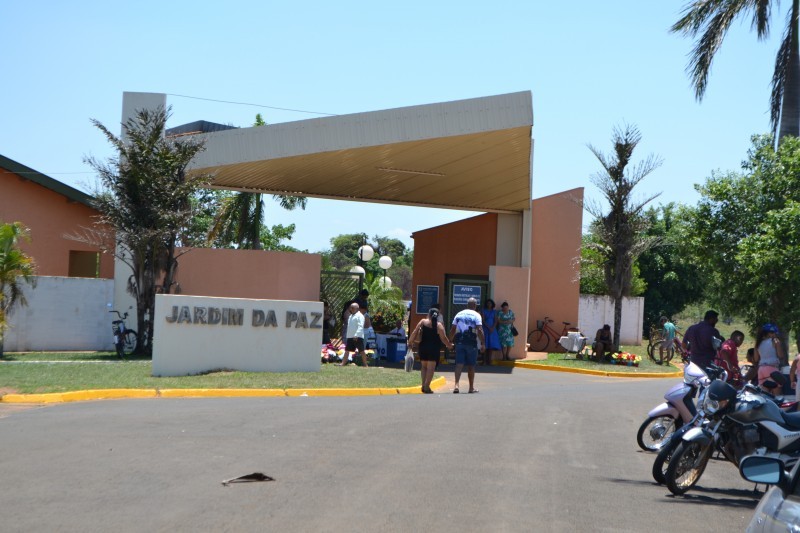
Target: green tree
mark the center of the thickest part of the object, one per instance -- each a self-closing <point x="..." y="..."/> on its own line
<point x="240" y="219"/>
<point x="711" y="19"/>
<point x="16" y="268"/>
<point x="272" y="238"/>
<point x="146" y="198"/>
<point x="618" y="233"/>
<point x="674" y="279"/>
<point x="343" y="255"/>
<point x="385" y="303"/>
<point x="746" y="231"/>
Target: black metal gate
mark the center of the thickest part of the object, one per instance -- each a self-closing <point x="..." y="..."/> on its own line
<point x="338" y="288"/>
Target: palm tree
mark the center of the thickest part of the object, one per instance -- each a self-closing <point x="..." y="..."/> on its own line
<point x="618" y="234"/>
<point x="713" y="18"/>
<point x="241" y="216"/>
<point x="15" y="267"/>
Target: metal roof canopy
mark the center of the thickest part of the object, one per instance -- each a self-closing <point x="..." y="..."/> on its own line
<point x="468" y="154"/>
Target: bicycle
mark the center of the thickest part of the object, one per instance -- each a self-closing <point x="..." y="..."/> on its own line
<point x="124" y="338"/>
<point x="540" y="338"/>
<point x="654" y="343"/>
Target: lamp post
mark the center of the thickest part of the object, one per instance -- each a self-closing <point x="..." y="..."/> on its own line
<point x="385" y="262"/>
<point x="365" y="253"/>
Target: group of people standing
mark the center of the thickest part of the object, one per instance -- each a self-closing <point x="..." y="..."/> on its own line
<point x="471" y="333"/>
<point x="767" y="357"/>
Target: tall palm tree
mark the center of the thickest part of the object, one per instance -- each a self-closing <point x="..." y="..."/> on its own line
<point x="713" y="18"/>
<point x="16" y="267"/>
<point x="241" y="216"/>
<point x="618" y="233"/>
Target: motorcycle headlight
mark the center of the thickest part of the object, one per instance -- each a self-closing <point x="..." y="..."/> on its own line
<point x="712" y="406"/>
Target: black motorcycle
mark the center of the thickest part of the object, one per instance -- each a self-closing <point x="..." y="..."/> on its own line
<point x="737" y="424"/>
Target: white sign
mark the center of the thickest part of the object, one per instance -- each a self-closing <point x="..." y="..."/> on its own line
<point x="196" y="334"/>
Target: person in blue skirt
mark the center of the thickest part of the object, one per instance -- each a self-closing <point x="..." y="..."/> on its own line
<point x="491" y="338"/>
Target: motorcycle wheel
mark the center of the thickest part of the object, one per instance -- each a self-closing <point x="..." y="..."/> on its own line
<point x="655" y="431"/>
<point x="686" y="465"/>
<point x="663" y="458"/>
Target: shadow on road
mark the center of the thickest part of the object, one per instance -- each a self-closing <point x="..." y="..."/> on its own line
<point x="739" y="498"/>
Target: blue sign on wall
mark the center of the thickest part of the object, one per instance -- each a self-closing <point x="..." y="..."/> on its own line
<point x="462" y="293"/>
<point x="427" y="295"/>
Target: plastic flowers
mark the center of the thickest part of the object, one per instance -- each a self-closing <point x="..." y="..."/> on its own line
<point x="623" y="358"/>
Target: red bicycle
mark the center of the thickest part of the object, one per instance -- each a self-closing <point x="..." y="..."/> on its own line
<point x="540" y="339"/>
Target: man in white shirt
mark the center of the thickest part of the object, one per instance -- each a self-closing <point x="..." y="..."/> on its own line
<point x="399" y="330"/>
<point x="355" y="335"/>
<point x="466" y="331"/>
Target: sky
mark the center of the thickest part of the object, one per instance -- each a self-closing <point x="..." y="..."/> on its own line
<point x="590" y="66"/>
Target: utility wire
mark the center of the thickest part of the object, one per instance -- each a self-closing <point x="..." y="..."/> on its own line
<point x="254" y="105"/>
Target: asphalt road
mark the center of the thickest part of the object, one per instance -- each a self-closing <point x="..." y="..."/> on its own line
<point x="533" y="451"/>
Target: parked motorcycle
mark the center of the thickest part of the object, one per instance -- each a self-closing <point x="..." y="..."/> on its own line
<point x="664" y="455"/>
<point x="737" y="424"/>
<point x="678" y="410"/>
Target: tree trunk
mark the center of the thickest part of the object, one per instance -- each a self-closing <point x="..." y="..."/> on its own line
<point x="617" y="321"/>
<point x="790" y="106"/>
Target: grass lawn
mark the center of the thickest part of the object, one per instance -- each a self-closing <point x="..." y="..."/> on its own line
<point x="104" y="371"/>
<point x="646" y="365"/>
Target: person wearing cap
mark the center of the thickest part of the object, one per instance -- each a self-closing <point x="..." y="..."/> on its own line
<point x="702" y="339"/>
<point x="769" y="354"/>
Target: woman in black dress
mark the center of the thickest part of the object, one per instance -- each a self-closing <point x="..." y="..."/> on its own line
<point x="431" y="335"/>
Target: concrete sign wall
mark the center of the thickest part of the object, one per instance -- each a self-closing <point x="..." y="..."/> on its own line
<point x="196" y="334"/>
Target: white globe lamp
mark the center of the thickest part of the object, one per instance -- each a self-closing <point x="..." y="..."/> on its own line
<point x="385" y="262"/>
<point x="365" y="252"/>
<point x="385" y="281"/>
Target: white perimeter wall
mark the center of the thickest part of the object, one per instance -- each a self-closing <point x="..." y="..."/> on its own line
<point x="594" y="311"/>
<point x="62" y="314"/>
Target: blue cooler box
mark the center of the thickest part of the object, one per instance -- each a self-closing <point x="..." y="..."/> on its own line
<point x="395" y="350"/>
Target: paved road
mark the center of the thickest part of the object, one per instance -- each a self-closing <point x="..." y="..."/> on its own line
<point x="533" y="451"/>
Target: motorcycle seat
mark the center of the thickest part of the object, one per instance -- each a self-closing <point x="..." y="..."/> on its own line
<point x="792" y="420"/>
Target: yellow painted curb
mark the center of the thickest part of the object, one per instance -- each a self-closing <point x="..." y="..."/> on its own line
<point x="606" y="373"/>
<point x="79" y="396"/>
<point x="105" y="394"/>
<point x="417" y="389"/>
<point x="334" y="392"/>
<point x="220" y="393"/>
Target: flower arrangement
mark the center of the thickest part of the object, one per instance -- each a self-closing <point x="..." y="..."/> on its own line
<point x="625" y="358"/>
<point x="333" y="354"/>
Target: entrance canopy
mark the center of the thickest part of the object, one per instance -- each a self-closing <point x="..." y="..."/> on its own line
<point x="468" y="154"/>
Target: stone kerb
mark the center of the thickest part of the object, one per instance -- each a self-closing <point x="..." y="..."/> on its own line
<point x="196" y="334"/>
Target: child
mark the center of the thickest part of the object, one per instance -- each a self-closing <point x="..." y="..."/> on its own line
<point x="752" y="374"/>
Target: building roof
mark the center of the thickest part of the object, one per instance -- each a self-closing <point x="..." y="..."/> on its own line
<point x="198" y="126"/>
<point x="469" y="154"/>
<point x="34" y="176"/>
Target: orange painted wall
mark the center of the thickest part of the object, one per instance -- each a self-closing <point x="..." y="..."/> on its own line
<point x="466" y="247"/>
<point x="557" y="221"/>
<point x="250" y="274"/>
<point x="49" y="216"/>
<point x="511" y="284"/>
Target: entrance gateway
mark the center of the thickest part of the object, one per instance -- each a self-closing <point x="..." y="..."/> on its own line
<point x="470" y="154"/>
